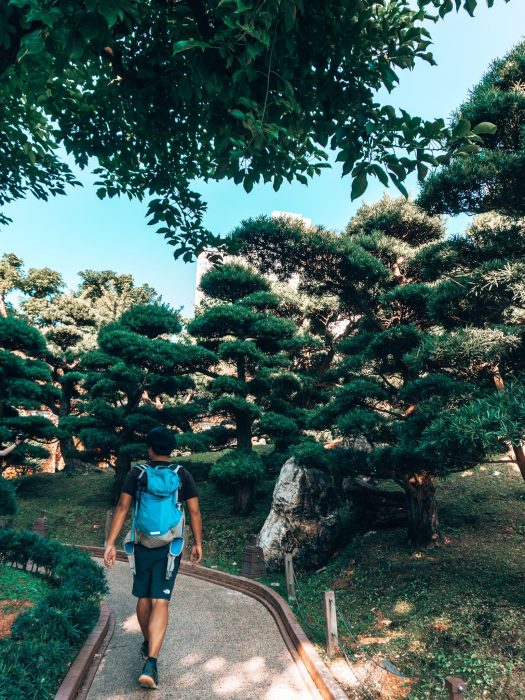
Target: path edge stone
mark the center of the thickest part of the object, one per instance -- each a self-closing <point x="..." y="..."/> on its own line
<point x="85" y="660"/>
<point x="298" y="644"/>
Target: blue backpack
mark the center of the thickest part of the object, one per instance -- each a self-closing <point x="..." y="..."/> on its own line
<point x="158" y="517"/>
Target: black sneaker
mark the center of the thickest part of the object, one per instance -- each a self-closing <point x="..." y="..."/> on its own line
<point x="149" y="676"/>
<point x="144" y="649"/>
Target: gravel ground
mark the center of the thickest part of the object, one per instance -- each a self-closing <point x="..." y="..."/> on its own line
<point x="220" y="644"/>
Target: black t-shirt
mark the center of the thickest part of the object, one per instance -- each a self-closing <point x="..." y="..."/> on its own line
<point x="188" y="488"/>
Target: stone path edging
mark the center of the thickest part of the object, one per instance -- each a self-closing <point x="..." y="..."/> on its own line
<point x="299" y="646"/>
<point x="79" y="670"/>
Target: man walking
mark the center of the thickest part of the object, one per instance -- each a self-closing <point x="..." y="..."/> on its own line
<point x="150" y="584"/>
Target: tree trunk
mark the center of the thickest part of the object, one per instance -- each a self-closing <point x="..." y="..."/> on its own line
<point x="3" y="310"/>
<point x="244" y="433"/>
<point x="243" y="497"/>
<point x="423" y="523"/>
<point x="73" y="463"/>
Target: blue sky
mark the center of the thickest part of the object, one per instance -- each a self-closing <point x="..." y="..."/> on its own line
<point x="79" y="231"/>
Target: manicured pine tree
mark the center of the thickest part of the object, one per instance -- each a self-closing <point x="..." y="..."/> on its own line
<point x="128" y="378"/>
<point x="25" y="389"/>
<point x="70" y="321"/>
<point x="384" y="313"/>
<point x="251" y="385"/>
<point x="477" y="294"/>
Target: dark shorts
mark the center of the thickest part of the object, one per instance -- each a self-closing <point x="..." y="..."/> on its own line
<point x="150" y="578"/>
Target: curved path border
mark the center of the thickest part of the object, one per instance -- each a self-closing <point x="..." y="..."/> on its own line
<point x="298" y="644"/>
<point x="83" y="664"/>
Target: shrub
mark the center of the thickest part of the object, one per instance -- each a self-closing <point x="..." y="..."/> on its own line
<point x="239" y="471"/>
<point x="312" y="455"/>
<point x="46" y="638"/>
<point x="8" y="505"/>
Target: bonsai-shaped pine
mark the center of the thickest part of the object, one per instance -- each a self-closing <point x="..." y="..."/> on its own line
<point x="361" y="396"/>
<point x="477" y="293"/>
<point x="26" y="391"/>
<point x="134" y="369"/>
<point x="238" y="322"/>
<point x="490" y="175"/>
<point x="372" y="407"/>
<point x="70" y="321"/>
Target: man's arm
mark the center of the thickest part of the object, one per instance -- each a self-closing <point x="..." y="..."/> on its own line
<point x="119" y="517"/>
<point x="196" y="528"/>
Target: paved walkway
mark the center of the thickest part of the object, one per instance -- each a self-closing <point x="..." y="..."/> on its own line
<point x="220" y="645"/>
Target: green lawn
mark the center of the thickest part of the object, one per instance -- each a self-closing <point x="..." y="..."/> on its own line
<point x="18" y="590"/>
<point x="19" y="585"/>
<point x="458" y="609"/>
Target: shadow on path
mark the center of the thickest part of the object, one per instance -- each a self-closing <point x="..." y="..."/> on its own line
<point x="220" y="644"/>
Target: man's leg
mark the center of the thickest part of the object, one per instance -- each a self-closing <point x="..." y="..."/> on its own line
<point x="143" y="615"/>
<point x="158" y="624"/>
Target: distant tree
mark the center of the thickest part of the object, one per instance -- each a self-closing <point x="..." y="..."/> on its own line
<point x="490" y="175"/>
<point x="135" y="367"/>
<point x="164" y="94"/>
<point x="40" y="283"/>
<point x="70" y="321"/>
<point x="25" y="389"/>
<point x="253" y="385"/>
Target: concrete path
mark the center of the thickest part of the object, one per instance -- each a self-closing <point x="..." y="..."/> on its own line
<point x="220" y="645"/>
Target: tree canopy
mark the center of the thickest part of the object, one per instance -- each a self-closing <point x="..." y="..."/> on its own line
<point x="491" y="177"/>
<point x="163" y="94"/>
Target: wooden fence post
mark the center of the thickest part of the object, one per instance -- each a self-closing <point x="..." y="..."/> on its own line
<point x="332" y="637"/>
<point x="456" y="688"/>
<point x="290" y="578"/>
<point x="107" y="526"/>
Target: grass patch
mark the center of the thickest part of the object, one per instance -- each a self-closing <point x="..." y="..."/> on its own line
<point x="454" y="610"/>
<point x="75" y="506"/>
<point x="19" y="585"/>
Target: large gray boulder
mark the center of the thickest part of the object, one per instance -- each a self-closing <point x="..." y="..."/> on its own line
<point x="304" y="518"/>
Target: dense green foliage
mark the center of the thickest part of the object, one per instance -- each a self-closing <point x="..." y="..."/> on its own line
<point x="8" y="506"/>
<point x="492" y="178"/>
<point x="127" y="379"/>
<point x="253" y="385"/>
<point x="163" y="94"/>
<point x="25" y="387"/>
<point x="432" y="329"/>
<point x="46" y="637"/>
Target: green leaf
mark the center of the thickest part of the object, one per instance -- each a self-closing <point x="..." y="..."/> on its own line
<point x="470" y="6"/>
<point x="187" y="44"/>
<point x="380" y="174"/>
<point x="397" y="182"/>
<point x="33" y="42"/>
<point x="485" y="128"/>
<point x="110" y="13"/>
<point x="290" y="13"/>
<point x="422" y="171"/>
<point x="359" y="185"/>
<point x="238" y="114"/>
<point x="461" y="129"/>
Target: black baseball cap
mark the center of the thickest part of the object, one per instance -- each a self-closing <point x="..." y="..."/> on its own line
<point x="161" y="440"/>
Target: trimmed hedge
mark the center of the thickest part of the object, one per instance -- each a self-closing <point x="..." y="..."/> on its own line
<point x="46" y="639"/>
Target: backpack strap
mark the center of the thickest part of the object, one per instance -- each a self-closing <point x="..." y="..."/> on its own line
<point x="176" y="471"/>
<point x="140" y="487"/>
